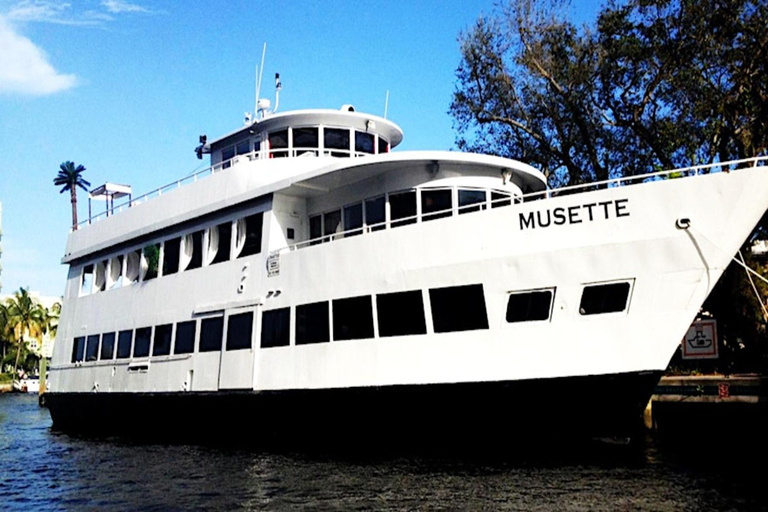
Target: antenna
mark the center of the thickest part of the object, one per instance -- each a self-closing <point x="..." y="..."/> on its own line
<point x="261" y="71"/>
<point x="386" y="104"/>
<point x="278" y="86"/>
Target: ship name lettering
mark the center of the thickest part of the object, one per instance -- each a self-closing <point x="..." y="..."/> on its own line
<point x="603" y="210"/>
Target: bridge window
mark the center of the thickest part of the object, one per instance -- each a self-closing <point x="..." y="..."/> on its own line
<point x="124" y="339"/>
<point x="312" y="323"/>
<point x="278" y="144"/>
<point x="458" y="308"/>
<point x="383" y="146"/>
<point x="604" y="298"/>
<point x="92" y="348"/>
<point x="142" y="342"/>
<point x="353" y="318"/>
<point x="276" y="328"/>
<point x="226" y="155"/>
<point x="500" y="199"/>
<point x="239" y="331"/>
<point x="305" y="140"/>
<point x="336" y="138"/>
<point x="185" y="337"/>
<point x="468" y="197"/>
<point x="171" y="250"/>
<point x="529" y="306"/>
<point x="107" y="346"/>
<point x="402" y="205"/>
<point x="162" y="343"/>
<point x="248" y="231"/>
<point x="219" y="243"/>
<point x="243" y="147"/>
<point x="353" y="219"/>
<point x="375" y="213"/>
<point x="150" y="261"/>
<point x="401" y="313"/>
<point x="364" y="143"/>
<point x="436" y="204"/>
<point x="78" y="349"/>
<point x="211" y="332"/>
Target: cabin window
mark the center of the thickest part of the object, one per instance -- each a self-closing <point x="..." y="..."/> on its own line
<point x="353" y="318"/>
<point x="335" y="138"/>
<point x="171" y="252"/>
<point x="243" y="148"/>
<point x="226" y="155"/>
<point x="191" y="256"/>
<point x="402" y="206"/>
<point x="290" y="233"/>
<point x="248" y="232"/>
<point x="364" y="143"/>
<point x="185" y="337"/>
<point x="315" y="229"/>
<point x="276" y="328"/>
<point x="383" y="146"/>
<point x="142" y="342"/>
<point x="219" y="243"/>
<point x="469" y="197"/>
<point x="124" y="339"/>
<point x="100" y="276"/>
<point x="115" y="273"/>
<point x="312" y="323"/>
<point x="436" y="204"/>
<point x="458" y="308"/>
<point x="132" y="266"/>
<point x="278" y="144"/>
<point x="500" y="199"/>
<point x="211" y="332"/>
<point x="92" y="348"/>
<point x="78" y="349"/>
<point x="331" y="223"/>
<point x="86" y="282"/>
<point x="305" y="141"/>
<point x="529" y="306"/>
<point x="161" y="346"/>
<point x="375" y="213"/>
<point x="401" y="314"/>
<point x="239" y="331"/>
<point x="107" y="346"/>
<point x="604" y="298"/>
<point x="353" y="219"/>
<point x="150" y="263"/>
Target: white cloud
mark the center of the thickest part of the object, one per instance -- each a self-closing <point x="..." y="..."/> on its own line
<point x="45" y="11"/>
<point x="24" y="68"/>
<point x="118" y="6"/>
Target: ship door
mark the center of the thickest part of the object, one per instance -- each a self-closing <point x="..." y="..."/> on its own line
<point x="238" y="350"/>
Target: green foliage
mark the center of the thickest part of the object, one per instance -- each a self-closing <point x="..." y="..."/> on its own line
<point x="22" y="316"/>
<point x="70" y="178"/>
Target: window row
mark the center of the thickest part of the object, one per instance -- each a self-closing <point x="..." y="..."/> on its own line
<point x="406" y="207"/>
<point x="162" y="340"/>
<point x="187" y="252"/>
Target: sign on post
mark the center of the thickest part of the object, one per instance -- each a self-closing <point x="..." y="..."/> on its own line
<point x="700" y="342"/>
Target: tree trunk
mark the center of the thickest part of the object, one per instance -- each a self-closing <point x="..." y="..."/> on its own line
<point x="74" y="208"/>
<point x="16" y="363"/>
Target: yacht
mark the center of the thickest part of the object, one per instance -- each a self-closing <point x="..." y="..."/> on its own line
<point x="313" y="280"/>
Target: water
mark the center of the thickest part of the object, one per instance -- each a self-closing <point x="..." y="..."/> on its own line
<point x="41" y="469"/>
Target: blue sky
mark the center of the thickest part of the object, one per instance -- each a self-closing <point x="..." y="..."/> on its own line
<point x="126" y="87"/>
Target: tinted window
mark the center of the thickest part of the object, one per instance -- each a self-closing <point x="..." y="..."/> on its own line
<point x="604" y="298"/>
<point x="332" y="222"/>
<point x="383" y="146"/>
<point x="529" y="306"/>
<point x="124" y="339"/>
<point x="278" y="144"/>
<point x="220" y="243"/>
<point x="142" y="341"/>
<point x="500" y="199"/>
<point x="353" y="318"/>
<point x="162" y="343"/>
<point x="92" y="348"/>
<point x="243" y="147"/>
<point x="435" y="204"/>
<point x="107" y="346"/>
<point x="78" y="349"/>
<point x="353" y="219"/>
<point x="249" y="234"/>
<point x="401" y="314"/>
<point x="185" y="337"/>
<point x="375" y="213"/>
<point x="171" y="256"/>
<point x="239" y="331"/>
<point x="275" y="328"/>
<point x="335" y="138"/>
<point x="402" y="206"/>
<point x="312" y="325"/>
<point x="315" y="229"/>
<point x="470" y="197"/>
<point x="364" y="142"/>
<point x="458" y="308"/>
<point x="211" y="331"/>
<point x="305" y="138"/>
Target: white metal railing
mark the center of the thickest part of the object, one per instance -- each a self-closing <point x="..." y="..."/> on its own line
<point x="683" y="172"/>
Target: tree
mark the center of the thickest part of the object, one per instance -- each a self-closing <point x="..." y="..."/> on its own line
<point x="26" y="318"/>
<point x="69" y="178"/>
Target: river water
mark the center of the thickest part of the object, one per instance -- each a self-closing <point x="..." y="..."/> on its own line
<point x="44" y="470"/>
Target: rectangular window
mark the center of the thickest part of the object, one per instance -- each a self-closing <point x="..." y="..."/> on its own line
<point x="243" y="147"/>
<point x="401" y="314"/>
<point x="436" y="204"/>
<point x="151" y="261"/>
<point x="383" y="146"/>
<point x="375" y="213"/>
<point x="276" y="328"/>
<point x="92" y="348"/>
<point x="402" y="206"/>
<point x="107" y="346"/>
<point x="604" y="298"/>
<point x="133" y="266"/>
<point x="226" y="155"/>
<point x="312" y="323"/>
<point x="100" y="276"/>
<point x="142" y="342"/>
<point x="219" y="243"/>
<point x="458" y="308"/>
<point x="185" y="337"/>
<point x="305" y="140"/>
<point x="331" y="223"/>
<point x="471" y="197"/>
<point x="162" y="344"/>
<point x="353" y="318"/>
<point x="353" y="219"/>
<point x="171" y="249"/>
<point x="124" y="339"/>
<point x="193" y="250"/>
<point x="335" y="138"/>
<point x="86" y="281"/>
<point x="240" y="331"/>
<point x="211" y="332"/>
<point x="364" y="143"/>
<point x="529" y="306"/>
<point x="278" y="144"/>
<point x="315" y="229"/>
<point x="78" y="349"/>
<point x="500" y="199"/>
<point x="249" y="235"/>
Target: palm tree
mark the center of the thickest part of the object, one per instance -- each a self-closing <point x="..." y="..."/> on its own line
<point x="5" y="331"/>
<point x="26" y="317"/>
<point x="69" y="178"/>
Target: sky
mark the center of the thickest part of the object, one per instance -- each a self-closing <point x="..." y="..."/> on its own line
<point x="125" y="88"/>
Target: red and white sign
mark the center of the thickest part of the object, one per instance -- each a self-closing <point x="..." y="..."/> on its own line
<point x="700" y="342"/>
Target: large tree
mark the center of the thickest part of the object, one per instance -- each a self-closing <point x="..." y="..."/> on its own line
<point x="27" y="318"/>
<point x="69" y="178"/>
